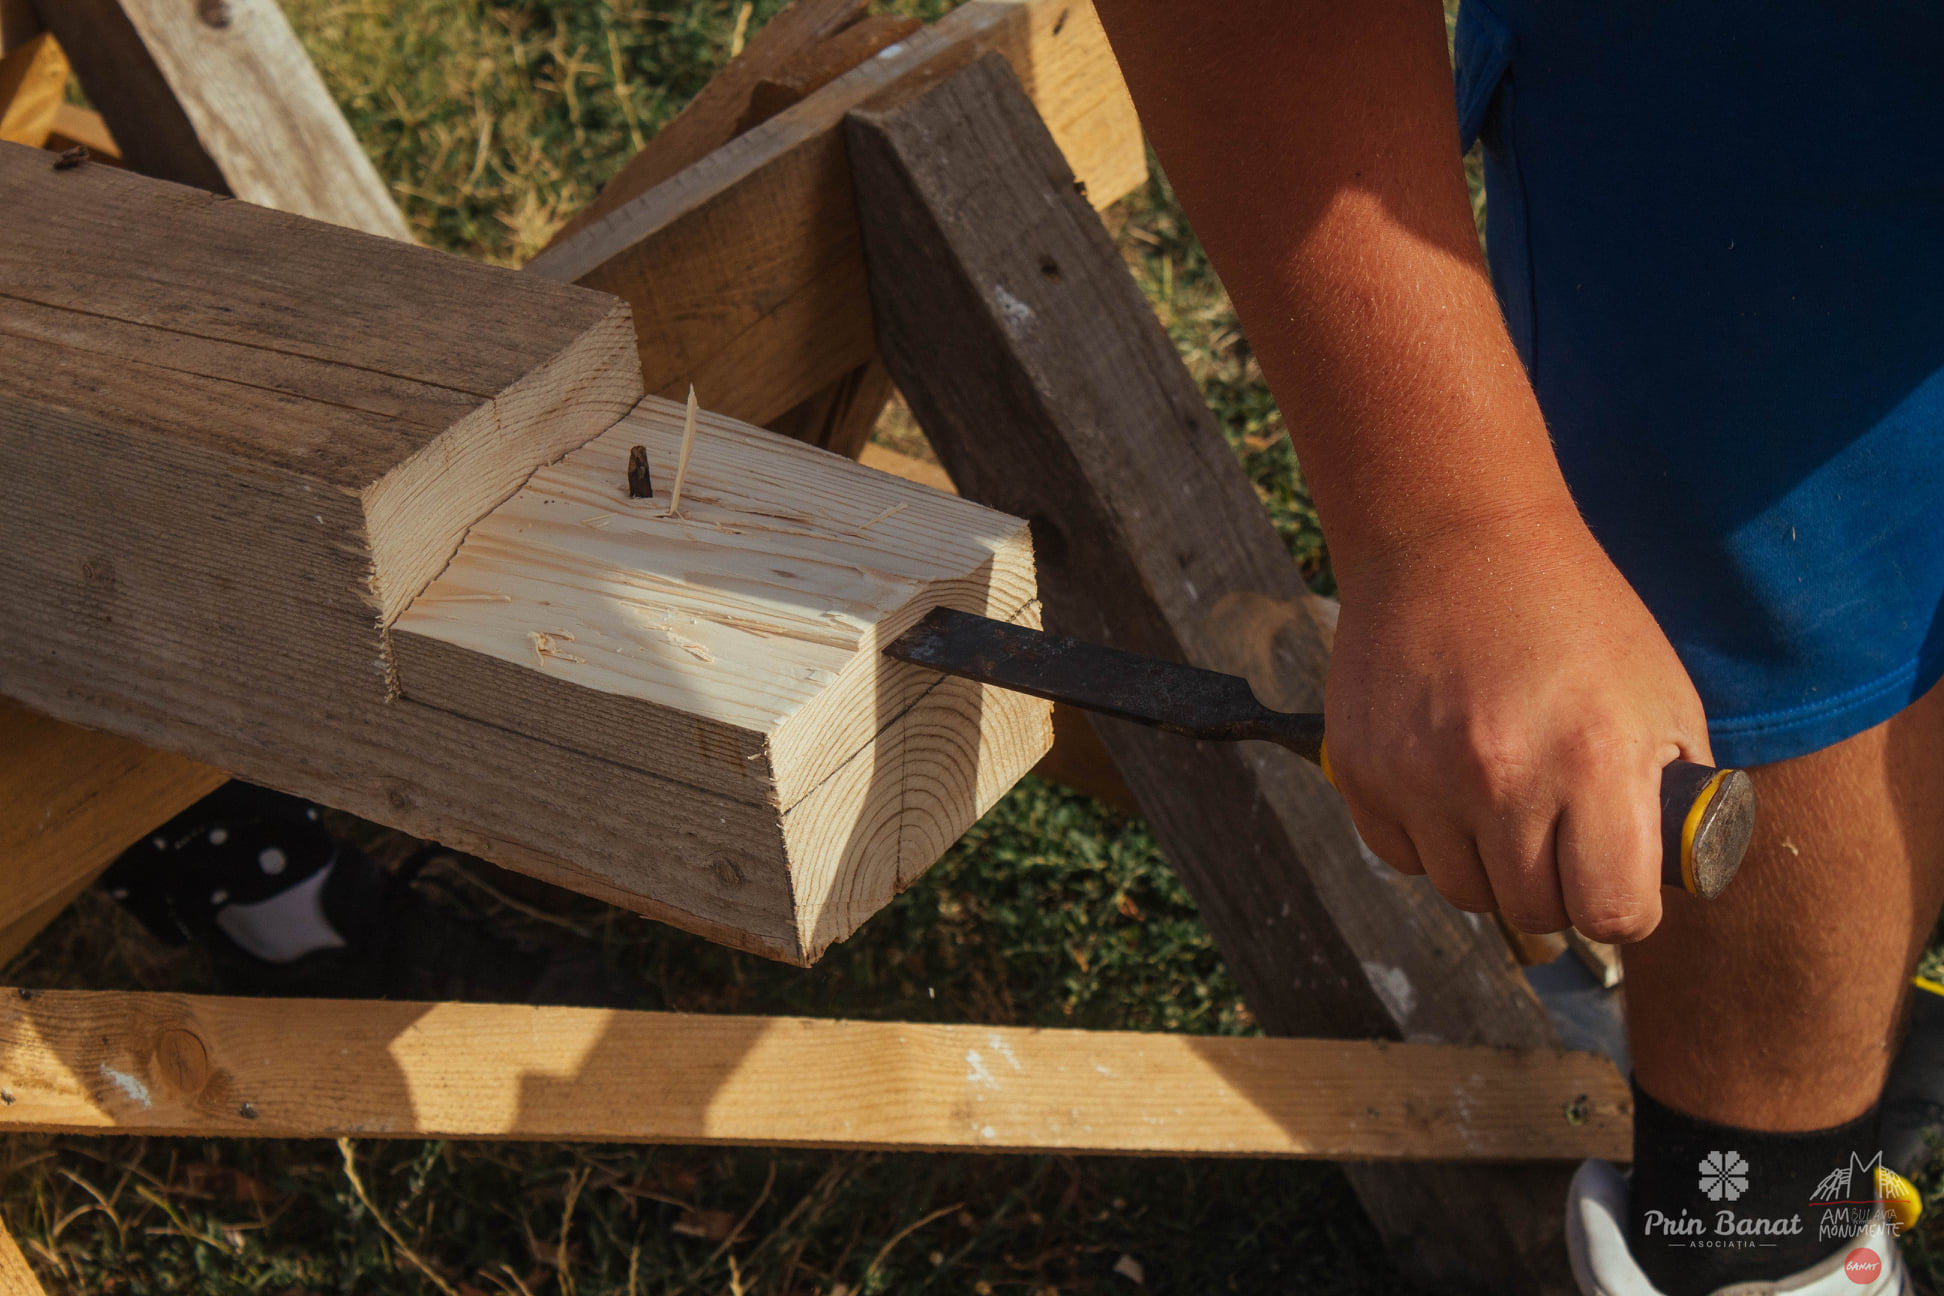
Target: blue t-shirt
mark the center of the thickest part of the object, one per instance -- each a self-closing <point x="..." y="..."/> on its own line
<point x="1717" y="232"/>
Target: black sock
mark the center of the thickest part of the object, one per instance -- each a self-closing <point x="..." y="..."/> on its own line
<point x="1714" y="1204"/>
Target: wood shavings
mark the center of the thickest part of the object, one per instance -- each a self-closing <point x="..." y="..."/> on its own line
<point x="543" y="647"/>
<point x="598" y="520"/>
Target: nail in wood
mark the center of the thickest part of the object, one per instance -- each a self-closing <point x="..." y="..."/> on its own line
<point x="639" y="484"/>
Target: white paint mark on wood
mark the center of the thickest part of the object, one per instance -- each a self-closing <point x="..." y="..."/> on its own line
<point x="1019" y="316"/>
<point x="1393" y="987"/>
<point x="128" y="1084"/>
<point x="976" y="1071"/>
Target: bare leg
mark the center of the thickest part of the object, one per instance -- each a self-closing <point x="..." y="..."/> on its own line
<point x="1777" y="1007"/>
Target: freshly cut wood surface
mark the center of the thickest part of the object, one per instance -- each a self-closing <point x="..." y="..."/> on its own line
<point x="1056" y="395"/>
<point x="744" y="270"/>
<point x="99" y="1061"/>
<point x="70" y="801"/>
<point x="33" y="78"/>
<point x="736" y="646"/>
<point x="222" y="96"/>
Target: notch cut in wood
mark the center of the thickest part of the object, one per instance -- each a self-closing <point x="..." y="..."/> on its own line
<point x="733" y="647"/>
<point x="111" y="1062"/>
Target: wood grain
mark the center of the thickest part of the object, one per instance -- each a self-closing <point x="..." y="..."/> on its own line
<point x="102" y="1061"/>
<point x="16" y="1275"/>
<point x="743" y="269"/>
<point x="735" y="646"/>
<point x="71" y="800"/>
<point x="222" y="96"/>
<point x="1041" y="376"/>
<point x="715" y="115"/>
<point x="33" y="78"/>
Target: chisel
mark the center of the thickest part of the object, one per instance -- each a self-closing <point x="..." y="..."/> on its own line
<point x="1707" y="815"/>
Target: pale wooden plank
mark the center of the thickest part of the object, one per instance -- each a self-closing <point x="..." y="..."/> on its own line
<point x="16" y="1275"/>
<point x="1055" y="394"/>
<point x="33" y="77"/>
<point x="71" y="800"/>
<point x="744" y="270"/>
<point x="223" y="97"/>
<point x="101" y="1061"/>
<point x="736" y="646"/>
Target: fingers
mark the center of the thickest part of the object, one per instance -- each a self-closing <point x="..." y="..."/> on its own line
<point x="1580" y="849"/>
<point x="1609" y="854"/>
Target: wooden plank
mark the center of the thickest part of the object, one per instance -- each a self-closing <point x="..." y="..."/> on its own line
<point x="714" y="116"/>
<point x="736" y="647"/>
<point x="810" y="70"/>
<point x="71" y="800"/>
<point x="33" y="78"/>
<point x="1049" y="390"/>
<point x="16" y="1275"/>
<point x="221" y="96"/>
<point x="97" y="1062"/>
<point x="744" y="270"/>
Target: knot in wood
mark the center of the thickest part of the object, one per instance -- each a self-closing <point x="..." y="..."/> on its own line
<point x="181" y="1061"/>
<point x="214" y="13"/>
<point x="726" y="871"/>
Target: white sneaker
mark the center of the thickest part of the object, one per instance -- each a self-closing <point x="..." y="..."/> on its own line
<point x="1596" y="1241"/>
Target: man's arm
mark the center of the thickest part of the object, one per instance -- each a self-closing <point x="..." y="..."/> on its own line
<point x="1500" y="703"/>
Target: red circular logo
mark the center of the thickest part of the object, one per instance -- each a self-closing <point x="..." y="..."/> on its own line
<point x="1862" y="1265"/>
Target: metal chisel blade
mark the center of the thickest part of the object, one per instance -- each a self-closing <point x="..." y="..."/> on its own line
<point x="1146" y="690"/>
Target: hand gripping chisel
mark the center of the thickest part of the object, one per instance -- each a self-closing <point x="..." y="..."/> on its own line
<point x="1707" y="815"/>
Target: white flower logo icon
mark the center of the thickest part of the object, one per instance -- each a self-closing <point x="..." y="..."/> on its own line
<point x="1724" y="1176"/>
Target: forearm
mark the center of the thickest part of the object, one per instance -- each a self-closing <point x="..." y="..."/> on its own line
<point x="1314" y="148"/>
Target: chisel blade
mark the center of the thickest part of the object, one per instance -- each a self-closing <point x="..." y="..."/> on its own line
<point x="1180" y="699"/>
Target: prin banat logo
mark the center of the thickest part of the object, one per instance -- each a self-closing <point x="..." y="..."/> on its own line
<point x="1845" y="1197"/>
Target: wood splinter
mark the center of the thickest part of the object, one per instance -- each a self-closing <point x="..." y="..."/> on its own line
<point x="681" y="464"/>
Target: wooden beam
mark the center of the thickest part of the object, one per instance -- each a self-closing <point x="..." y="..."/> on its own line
<point x="16" y="1275"/>
<point x="98" y="1062"/>
<point x="1049" y="389"/>
<point x="221" y="95"/>
<point x="715" y="115"/>
<point x="736" y="648"/>
<point x="71" y="800"/>
<point x="744" y="270"/>
<point x="239" y="447"/>
<point x="33" y="78"/>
